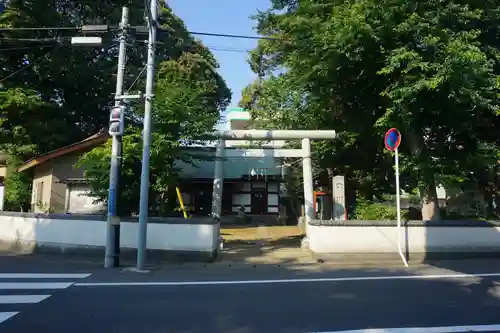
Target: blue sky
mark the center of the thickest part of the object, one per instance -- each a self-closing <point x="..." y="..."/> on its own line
<point x="226" y="17"/>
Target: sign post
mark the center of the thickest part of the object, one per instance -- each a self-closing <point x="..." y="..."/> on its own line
<point x="392" y="141"/>
<point x="339" y="211"/>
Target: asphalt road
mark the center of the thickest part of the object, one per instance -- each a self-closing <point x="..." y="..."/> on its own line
<point x="254" y="301"/>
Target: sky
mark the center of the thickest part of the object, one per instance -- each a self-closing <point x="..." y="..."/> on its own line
<point x="224" y="17"/>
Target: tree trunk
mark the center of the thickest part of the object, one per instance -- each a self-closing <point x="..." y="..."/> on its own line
<point x="430" y="202"/>
<point x="328" y="210"/>
<point x="488" y="199"/>
<point x="163" y="204"/>
<point x="428" y="192"/>
<point x="495" y="197"/>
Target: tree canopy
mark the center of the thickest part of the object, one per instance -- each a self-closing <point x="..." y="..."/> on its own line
<point x="428" y="68"/>
<point x="54" y="94"/>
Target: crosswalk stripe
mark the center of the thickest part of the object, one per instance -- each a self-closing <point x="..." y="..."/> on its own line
<point x="447" y="329"/>
<point x="22" y="299"/>
<point x="6" y="315"/>
<point x="42" y="276"/>
<point x="34" y="285"/>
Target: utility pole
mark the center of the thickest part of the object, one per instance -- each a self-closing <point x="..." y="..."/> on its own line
<point x="116" y="128"/>
<point x="144" y="203"/>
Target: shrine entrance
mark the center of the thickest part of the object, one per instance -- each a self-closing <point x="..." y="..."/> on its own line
<point x="266" y="242"/>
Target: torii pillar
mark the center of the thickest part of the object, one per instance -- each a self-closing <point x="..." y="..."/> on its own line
<point x="268" y="135"/>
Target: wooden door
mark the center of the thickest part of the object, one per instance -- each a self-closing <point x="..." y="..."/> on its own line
<point x="259" y="201"/>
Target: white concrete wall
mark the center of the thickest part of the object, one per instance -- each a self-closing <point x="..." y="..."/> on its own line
<point x="82" y="232"/>
<point x="417" y="239"/>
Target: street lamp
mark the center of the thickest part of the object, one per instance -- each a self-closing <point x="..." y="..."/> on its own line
<point x="90" y="41"/>
<point x="86" y="41"/>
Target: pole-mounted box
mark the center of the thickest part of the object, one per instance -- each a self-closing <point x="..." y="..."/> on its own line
<point x="117" y="120"/>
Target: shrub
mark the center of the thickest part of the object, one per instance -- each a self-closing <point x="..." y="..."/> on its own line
<point x="377" y="212"/>
<point x="374" y="212"/>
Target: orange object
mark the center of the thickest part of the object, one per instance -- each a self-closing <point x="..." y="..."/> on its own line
<point x="315" y="198"/>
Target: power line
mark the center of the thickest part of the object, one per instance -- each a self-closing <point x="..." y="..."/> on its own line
<point x="148" y="13"/>
<point x="227" y="49"/>
<point x="198" y="33"/>
<point x="31" y="63"/>
<point x="26" y="48"/>
<point x="56" y="40"/>
<point x="136" y="79"/>
<point x="61" y="39"/>
<point x="38" y="40"/>
<point x="40" y="29"/>
<point x="210" y="34"/>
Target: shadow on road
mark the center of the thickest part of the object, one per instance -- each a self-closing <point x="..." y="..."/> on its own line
<point x="346" y="299"/>
<point x="336" y="296"/>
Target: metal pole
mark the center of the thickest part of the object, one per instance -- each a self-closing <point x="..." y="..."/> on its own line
<point x="218" y="186"/>
<point x="111" y="257"/>
<point x="398" y="206"/>
<point x="144" y="204"/>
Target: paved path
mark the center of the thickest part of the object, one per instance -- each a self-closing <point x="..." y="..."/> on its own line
<point x="449" y="297"/>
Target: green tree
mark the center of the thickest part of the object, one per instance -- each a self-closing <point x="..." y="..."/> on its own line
<point x="428" y="68"/>
<point x="17" y="187"/>
<point x="188" y="99"/>
<point x="15" y="144"/>
<point x="72" y="84"/>
<point x="53" y="94"/>
<point x="97" y="163"/>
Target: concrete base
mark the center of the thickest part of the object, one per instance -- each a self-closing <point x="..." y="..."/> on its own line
<point x="304" y="244"/>
<point x="19" y="247"/>
<point x="135" y="270"/>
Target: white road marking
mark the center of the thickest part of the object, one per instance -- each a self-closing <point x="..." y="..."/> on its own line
<point x="306" y="280"/>
<point x="6" y="315"/>
<point x="31" y="299"/>
<point x="42" y="276"/>
<point x="449" y="329"/>
<point x="34" y="285"/>
<point x="22" y="299"/>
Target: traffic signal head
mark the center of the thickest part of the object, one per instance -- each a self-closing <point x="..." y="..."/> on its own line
<point x="116" y="120"/>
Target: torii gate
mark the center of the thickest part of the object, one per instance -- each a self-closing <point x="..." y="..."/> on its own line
<point x="268" y="135"/>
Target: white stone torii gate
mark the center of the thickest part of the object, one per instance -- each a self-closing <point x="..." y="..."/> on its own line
<point x="265" y="135"/>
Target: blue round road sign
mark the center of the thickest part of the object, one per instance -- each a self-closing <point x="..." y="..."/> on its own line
<point x="392" y="139"/>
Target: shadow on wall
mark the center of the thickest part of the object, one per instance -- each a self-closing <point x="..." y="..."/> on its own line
<point x="17" y="244"/>
<point x="29" y="233"/>
<point x="421" y="241"/>
<point x="458" y="240"/>
<point x="25" y="233"/>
